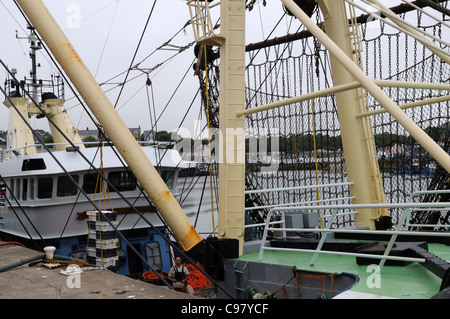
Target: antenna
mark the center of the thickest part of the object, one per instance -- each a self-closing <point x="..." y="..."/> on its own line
<point x="35" y="45"/>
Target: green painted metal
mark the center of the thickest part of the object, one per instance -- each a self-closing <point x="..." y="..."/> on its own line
<point x="404" y="282"/>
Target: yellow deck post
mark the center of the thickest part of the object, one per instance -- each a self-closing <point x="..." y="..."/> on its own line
<point x="232" y="127"/>
<point x="356" y="133"/>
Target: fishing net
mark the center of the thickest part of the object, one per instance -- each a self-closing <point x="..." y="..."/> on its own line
<point x="303" y="139"/>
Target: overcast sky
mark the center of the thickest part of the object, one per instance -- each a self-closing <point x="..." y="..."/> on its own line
<point x="106" y="33"/>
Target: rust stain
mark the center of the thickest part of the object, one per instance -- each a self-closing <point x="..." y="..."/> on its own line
<point x="164" y="196"/>
<point x="193" y="238"/>
<point x="69" y="51"/>
<point x="74" y="53"/>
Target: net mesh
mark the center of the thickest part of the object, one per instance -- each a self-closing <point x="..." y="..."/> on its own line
<point x="303" y="139"/>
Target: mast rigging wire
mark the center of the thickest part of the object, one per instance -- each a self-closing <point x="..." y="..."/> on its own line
<point x="135" y="53"/>
<point x="107" y="37"/>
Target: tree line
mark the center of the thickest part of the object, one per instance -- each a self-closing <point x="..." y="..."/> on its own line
<point x="306" y="142"/>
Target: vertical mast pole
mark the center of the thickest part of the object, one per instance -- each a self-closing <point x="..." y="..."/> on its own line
<point x="105" y="113"/>
<point x="232" y="127"/>
<point x="357" y="137"/>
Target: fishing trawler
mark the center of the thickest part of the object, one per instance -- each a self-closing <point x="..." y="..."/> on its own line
<point x="54" y="190"/>
<point x="342" y="226"/>
<point x="332" y="90"/>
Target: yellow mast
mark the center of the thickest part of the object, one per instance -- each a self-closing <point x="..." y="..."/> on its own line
<point x="232" y="103"/>
<point x="107" y="116"/>
<point x="232" y="127"/>
<point x="357" y="137"/>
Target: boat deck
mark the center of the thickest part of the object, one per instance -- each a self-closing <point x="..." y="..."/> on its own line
<point x="412" y="281"/>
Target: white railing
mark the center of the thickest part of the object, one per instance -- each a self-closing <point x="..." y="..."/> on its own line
<point x="319" y="201"/>
<point x="408" y="207"/>
<point x="415" y="194"/>
<point x="201" y="19"/>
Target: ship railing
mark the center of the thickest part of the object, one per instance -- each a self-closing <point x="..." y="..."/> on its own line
<point x="19" y="151"/>
<point x="408" y="224"/>
<point x="202" y="22"/>
<point x="353" y="208"/>
<point x="322" y="200"/>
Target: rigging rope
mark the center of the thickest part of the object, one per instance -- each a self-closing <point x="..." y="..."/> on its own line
<point x="135" y="53"/>
<point x="10" y="193"/>
<point x="209" y="137"/>
<point x="436" y="6"/>
<point x="102" y="189"/>
<point x="107" y="37"/>
<point x="315" y="159"/>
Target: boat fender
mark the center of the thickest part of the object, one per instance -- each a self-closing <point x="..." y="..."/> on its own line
<point x="252" y="293"/>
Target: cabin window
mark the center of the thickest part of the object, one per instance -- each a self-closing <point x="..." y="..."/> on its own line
<point x="32" y="188"/>
<point x="45" y="187"/>
<point x="24" y="189"/>
<point x="32" y="164"/>
<point x="122" y="181"/>
<point x="11" y="189"/>
<point x="66" y="187"/>
<point x="90" y="183"/>
<point x="17" y="191"/>
<point x="167" y="177"/>
<point x="153" y="251"/>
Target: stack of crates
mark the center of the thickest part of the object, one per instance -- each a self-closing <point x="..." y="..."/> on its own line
<point x="102" y="240"/>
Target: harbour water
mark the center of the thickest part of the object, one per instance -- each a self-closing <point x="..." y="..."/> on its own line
<point x="198" y="204"/>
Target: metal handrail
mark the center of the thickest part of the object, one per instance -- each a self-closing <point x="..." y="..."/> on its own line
<point x="353" y="207"/>
<point x="305" y="187"/>
<point x="270" y="190"/>
<point x="417" y="193"/>
<point x="201" y="18"/>
<point x="7" y="153"/>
